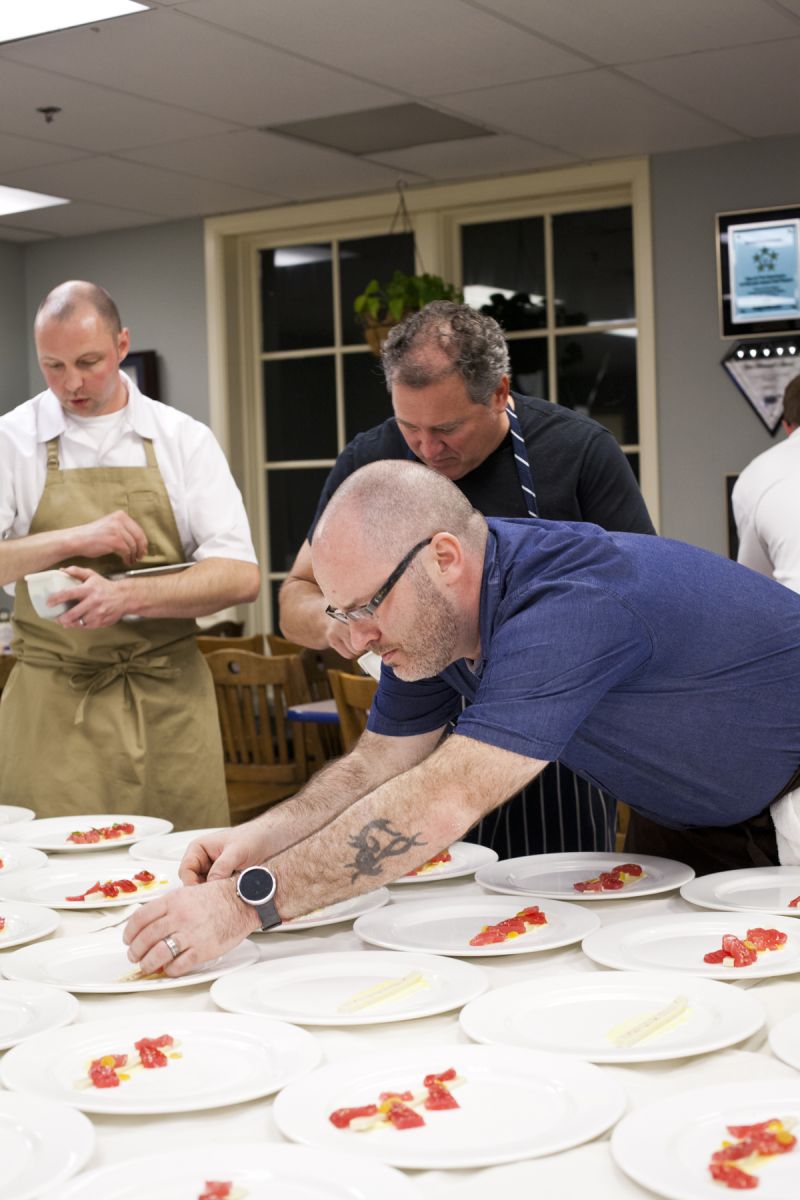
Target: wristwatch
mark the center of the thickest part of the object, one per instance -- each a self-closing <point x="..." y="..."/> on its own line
<point x="256" y="886"/>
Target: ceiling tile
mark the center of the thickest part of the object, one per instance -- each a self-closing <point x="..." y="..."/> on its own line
<point x="92" y="118"/>
<point x="9" y="234"/>
<point x="73" y="220"/>
<point x="269" y="163"/>
<point x="615" y="31"/>
<point x="25" y="152"/>
<point x="415" y="46"/>
<point x="168" y="57"/>
<point x="111" y="181"/>
<point x="752" y="88"/>
<point x="375" y="130"/>
<point x="595" y="114"/>
<point x="478" y="156"/>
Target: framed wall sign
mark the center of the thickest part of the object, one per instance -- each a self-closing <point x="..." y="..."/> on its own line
<point x="761" y="371"/>
<point x="142" y="367"/>
<point x="758" y="270"/>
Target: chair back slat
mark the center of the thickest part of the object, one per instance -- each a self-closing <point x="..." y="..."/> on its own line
<point x="353" y="695"/>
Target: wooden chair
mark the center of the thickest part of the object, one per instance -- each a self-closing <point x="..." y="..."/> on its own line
<point x="254" y="644"/>
<point x="353" y="695"/>
<point x="6" y="666"/>
<point x="623" y="817"/>
<point x="323" y="742"/>
<point x="265" y="755"/>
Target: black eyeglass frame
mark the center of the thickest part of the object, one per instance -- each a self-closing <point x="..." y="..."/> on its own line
<point x="363" y="612"/>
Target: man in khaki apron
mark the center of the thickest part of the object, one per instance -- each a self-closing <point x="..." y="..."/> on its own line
<point x="111" y="707"/>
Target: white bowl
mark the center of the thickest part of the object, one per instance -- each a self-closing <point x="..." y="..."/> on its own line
<point x="42" y="585"/>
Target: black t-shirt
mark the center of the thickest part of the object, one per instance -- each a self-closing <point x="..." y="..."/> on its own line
<point x="579" y="472"/>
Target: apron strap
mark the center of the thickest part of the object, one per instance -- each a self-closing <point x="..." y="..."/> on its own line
<point x="90" y="678"/>
<point x="523" y="464"/>
<point x="52" y="455"/>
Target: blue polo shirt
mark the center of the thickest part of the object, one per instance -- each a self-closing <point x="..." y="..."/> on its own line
<point x="666" y="675"/>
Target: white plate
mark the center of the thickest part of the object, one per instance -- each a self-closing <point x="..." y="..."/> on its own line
<point x="765" y="889"/>
<point x="27" y="1009"/>
<point x="554" y="875"/>
<point x="11" y="813"/>
<point x="784" y="1039"/>
<point x="442" y="926"/>
<point x="573" y="1014"/>
<point x="333" y="914"/>
<point x="19" y="858"/>
<point x="41" y="1145"/>
<point x="25" y="922"/>
<point x="54" y="883"/>
<point x="667" y="1146"/>
<point x="97" y="962"/>
<point x="513" y="1104"/>
<point x="51" y="833"/>
<point x="310" y="988"/>
<point x="678" y="942"/>
<point x="465" y="860"/>
<point x="168" y="847"/>
<point x="266" y="1170"/>
<point x="225" y="1059"/>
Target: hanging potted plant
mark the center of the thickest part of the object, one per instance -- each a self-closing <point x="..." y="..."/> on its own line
<point x="382" y="305"/>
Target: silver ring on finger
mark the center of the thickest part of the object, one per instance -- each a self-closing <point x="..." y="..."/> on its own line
<point x="81" y="622"/>
<point x="172" y="945"/>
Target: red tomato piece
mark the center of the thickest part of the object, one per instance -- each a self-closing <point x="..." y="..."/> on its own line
<point x="125" y="827"/>
<point x="610" y="882"/>
<point x="440" y="1077"/>
<point x="488" y="937"/>
<point x="109" y="889"/>
<point x="440" y="1097"/>
<point x="736" y="1150"/>
<point x="125" y="885"/>
<point x="511" y="925"/>
<point x="766" y="939"/>
<point x="2" y="924"/>
<point x="588" y="885"/>
<point x="119" y="1060"/>
<point x="731" y="1176"/>
<point x="111" y="831"/>
<point x="734" y="948"/>
<point x="103" y="1077"/>
<point x="714" y="956"/>
<point x="74" y="899"/>
<point x="384" y="1096"/>
<point x="96" y="887"/>
<point x="403" y="1117"/>
<point x="215" y="1190"/>
<point x="630" y="869"/>
<point x="794" y="903"/>
<point x="533" y="916"/>
<point x="342" y="1117"/>
<point x="150" y="1051"/>
<point x="742" y="1131"/>
<point x="144" y="876"/>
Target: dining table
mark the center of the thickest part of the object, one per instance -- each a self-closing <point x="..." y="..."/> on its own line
<point x="585" y="1170"/>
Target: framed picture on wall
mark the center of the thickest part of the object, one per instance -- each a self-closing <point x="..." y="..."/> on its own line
<point x="733" y="536"/>
<point x="142" y="367"/>
<point x="758" y="272"/>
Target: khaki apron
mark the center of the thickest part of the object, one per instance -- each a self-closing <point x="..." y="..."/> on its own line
<point x="121" y="719"/>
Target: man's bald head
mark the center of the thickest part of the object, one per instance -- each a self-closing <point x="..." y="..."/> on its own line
<point x="389" y="506"/>
<point x="69" y="298"/>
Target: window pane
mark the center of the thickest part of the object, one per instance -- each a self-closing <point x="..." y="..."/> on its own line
<point x="633" y="459"/>
<point x="366" y="400"/>
<point x="296" y="297"/>
<point x="292" y="498"/>
<point x="503" y="265"/>
<point x="363" y="259"/>
<point x="593" y="266"/>
<point x="300" y="409"/>
<point x="597" y="376"/>
<point x="529" y="367"/>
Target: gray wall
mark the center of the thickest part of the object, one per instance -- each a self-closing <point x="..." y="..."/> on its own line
<point x="706" y="427"/>
<point x="156" y="275"/>
<point x="13" y="327"/>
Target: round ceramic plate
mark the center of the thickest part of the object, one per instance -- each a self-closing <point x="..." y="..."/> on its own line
<point x="556" y="875"/>
<point x="351" y="988"/>
<point x="41" y="1145"/>
<point x="465" y="859"/>
<point x="678" y="943"/>
<point x="764" y="889"/>
<point x="512" y="1104"/>
<point x="667" y="1146"/>
<point x="222" y="1059"/>
<point x="98" y="962"/>
<point x="263" y="1170"/>
<point x="11" y="813"/>
<point x="25" y="922"/>
<point x="784" y="1039"/>
<point x="167" y="847"/>
<point x="52" y="833"/>
<point x="335" y="914"/>
<point x="53" y="885"/>
<point x="445" y="926"/>
<point x="581" y="1015"/>
<point x="15" y="858"/>
<point x="30" y="1008"/>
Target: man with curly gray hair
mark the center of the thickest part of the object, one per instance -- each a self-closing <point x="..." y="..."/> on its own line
<point x="447" y="370"/>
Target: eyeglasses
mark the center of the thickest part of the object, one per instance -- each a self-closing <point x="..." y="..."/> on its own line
<point x="364" y="611"/>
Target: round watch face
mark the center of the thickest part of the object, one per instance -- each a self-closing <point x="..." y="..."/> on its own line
<point x="256" y="885"/>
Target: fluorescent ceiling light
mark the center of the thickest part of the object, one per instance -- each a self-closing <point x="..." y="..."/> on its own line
<point x="15" y="200"/>
<point x="32" y="17"/>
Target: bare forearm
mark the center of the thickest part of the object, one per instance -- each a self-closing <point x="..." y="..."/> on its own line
<point x="36" y="552"/>
<point x="398" y="826"/>
<point x="207" y="587"/>
<point x="302" y="613"/>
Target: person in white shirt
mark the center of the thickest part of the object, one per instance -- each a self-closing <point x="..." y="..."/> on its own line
<point x="766" y="503"/>
<point x="110" y="708"/>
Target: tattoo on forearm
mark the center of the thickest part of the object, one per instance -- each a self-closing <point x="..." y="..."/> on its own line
<point x="375" y="842"/>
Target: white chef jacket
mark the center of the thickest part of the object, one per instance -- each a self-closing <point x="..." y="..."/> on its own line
<point x="208" y="506"/>
<point x="766" y="507"/>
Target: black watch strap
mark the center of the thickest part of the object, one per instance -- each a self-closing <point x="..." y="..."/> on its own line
<point x="267" y="915"/>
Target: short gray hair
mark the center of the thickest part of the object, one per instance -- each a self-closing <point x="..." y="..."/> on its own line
<point x="472" y="342"/>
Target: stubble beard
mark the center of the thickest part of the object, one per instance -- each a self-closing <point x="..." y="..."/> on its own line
<point x="433" y="638"/>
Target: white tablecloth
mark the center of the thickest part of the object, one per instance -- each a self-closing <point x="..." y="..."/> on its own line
<point x="586" y="1170"/>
